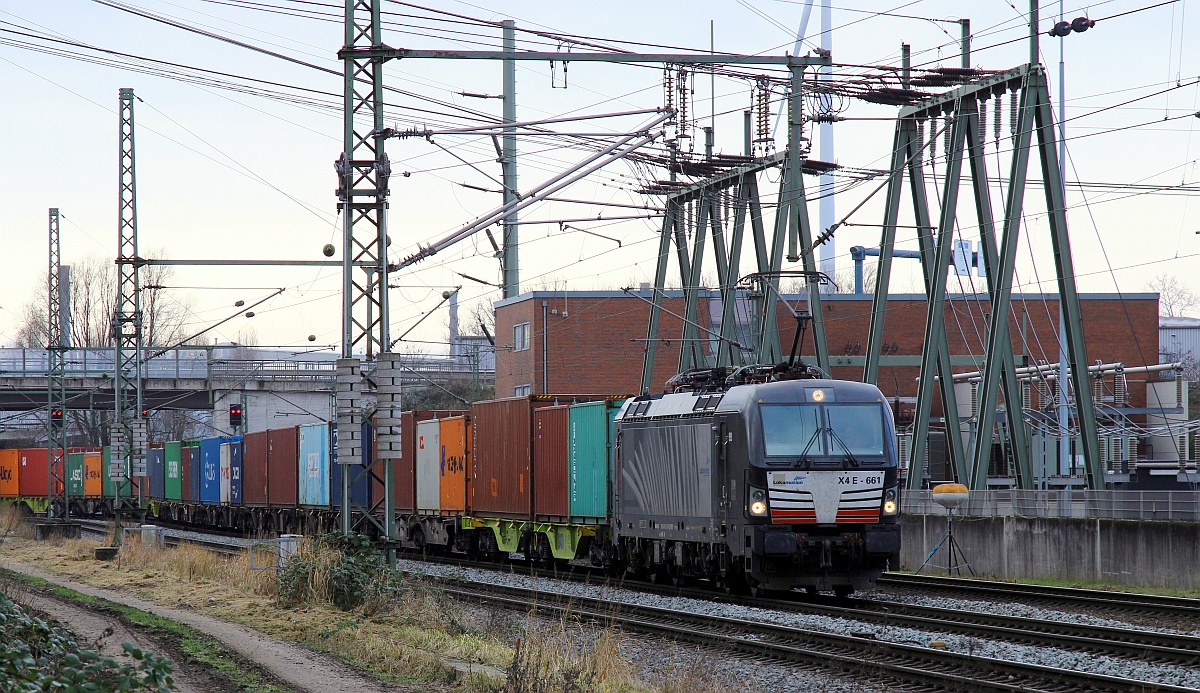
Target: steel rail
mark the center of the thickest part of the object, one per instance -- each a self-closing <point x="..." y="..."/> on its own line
<point x="1100" y="599"/>
<point x="1126" y="643"/>
<point x="859" y="656"/>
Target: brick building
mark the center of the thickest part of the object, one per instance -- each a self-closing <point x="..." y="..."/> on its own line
<point x="594" y="341"/>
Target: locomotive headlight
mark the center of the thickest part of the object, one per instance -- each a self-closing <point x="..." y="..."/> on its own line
<point x="889" y="502"/>
<point x="758" y="502"/>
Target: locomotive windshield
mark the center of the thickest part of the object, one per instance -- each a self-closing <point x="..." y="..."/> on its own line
<point x="810" y="430"/>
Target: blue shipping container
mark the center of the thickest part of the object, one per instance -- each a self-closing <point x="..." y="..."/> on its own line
<point x="361" y="489"/>
<point x="156" y="468"/>
<point x="210" y="471"/>
<point x="237" y="449"/>
<point x="313" y="470"/>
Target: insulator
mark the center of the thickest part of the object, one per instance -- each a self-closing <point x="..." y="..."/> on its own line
<point x="920" y="142"/>
<point x="933" y="140"/>
<point x="946" y="135"/>
<point x="996" y="123"/>
<point x="669" y="88"/>
<point x="681" y="86"/>
<point x="1012" y="114"/>
<point x="982" y="134"/>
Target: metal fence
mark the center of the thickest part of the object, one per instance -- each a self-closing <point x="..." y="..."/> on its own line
<point x="203" y="364"/>
<point x="1180" y="506"/>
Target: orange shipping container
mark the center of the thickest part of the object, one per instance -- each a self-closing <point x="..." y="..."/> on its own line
<point x="456" y="460"/>
<point x="93" y="474"/>
<point x="10" y="461"/>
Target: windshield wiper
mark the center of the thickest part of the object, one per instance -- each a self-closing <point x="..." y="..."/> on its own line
<point x="811" y="440"/>
<point x="833" y="434"/>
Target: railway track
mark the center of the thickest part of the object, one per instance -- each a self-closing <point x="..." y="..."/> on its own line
<point x="909" y="666"/>
<point x="1128" y="643"/>
<point x="1141" y="645"/>
<point x="1181" y="609"/>
<point x="103" y="530"/>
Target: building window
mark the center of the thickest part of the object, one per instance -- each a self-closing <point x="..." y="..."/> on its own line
<point x="521" y="336"/>
<point x="522" y="390"/>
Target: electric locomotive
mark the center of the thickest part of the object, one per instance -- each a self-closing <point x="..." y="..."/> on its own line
<point x="766" y="478"/>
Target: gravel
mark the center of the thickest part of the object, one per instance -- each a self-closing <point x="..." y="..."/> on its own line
<point x="687" y="667"/>
<point x="1045" y="656"/>
<point x="1024" y="610"/>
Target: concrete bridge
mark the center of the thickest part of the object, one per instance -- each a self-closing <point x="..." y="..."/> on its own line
<point x="275" y="387"/>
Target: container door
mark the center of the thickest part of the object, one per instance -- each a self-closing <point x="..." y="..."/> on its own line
<point x="75" y="474"/>
<point x="226" y="474"/>
<point x="210" y="471"/>
<point x="236" y="467"/>
<point x="314" y="465"/>
<point x="429" y="458"/>
<point x="551" y="466"/>
<point x="93" y="474"/>
<point x="9" y="468"/>
<point x="588" y="440"/>
<point x="454" y="462"/>
<point x="283" y="463"/>
<point x="174" y="470"/>
<point x="156" y="467"/>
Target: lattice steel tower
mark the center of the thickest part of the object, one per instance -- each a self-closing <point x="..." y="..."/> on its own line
<point x="363" y="172"/>
<point x="56" y="483"/>
<point x="128" y="434"/>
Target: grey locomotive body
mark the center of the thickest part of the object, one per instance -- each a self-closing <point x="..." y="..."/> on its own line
<point x="773" y="485"/>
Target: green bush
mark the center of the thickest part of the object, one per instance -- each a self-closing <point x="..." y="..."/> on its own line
<point x="347" y="572"/>
<point x="39" y="656"/>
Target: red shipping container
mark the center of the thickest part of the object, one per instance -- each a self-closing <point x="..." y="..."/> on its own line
<point x="31" y="480"/>
<point x="283" y="464"/>
<point x="500" y="483"/>
<point x="185" y="471"/>
<point x="404" y="487"/>
<point x="551" y="463"/>
<point x="254" y="470"/>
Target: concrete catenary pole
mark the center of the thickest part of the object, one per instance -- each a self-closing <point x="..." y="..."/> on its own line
<point x="510" y="258"/>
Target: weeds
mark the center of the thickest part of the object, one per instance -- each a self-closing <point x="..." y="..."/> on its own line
<point x="191" y="563"/>
<point x="12" y="522"/>
<point x="564" y="657"/>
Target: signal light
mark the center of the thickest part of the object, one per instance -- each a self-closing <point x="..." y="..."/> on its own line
<point x="56" y="419"/>
<point x="146" y="413"/>
<point x="235" y="416"/>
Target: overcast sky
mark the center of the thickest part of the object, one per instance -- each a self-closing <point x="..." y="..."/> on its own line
<point x="226" y="174"/>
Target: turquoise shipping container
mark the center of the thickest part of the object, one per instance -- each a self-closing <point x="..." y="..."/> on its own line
<point x="590" y="449"/>
<point x="313" y="467"/>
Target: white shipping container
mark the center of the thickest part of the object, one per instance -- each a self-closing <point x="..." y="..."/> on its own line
<point x="429" y="472"/>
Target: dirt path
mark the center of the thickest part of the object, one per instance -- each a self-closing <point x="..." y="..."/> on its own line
<point x="294" y="665"/>
<point x="108" y="633"/>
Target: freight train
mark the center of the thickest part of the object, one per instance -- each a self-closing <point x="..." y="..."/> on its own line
<point x="745" y="479"/>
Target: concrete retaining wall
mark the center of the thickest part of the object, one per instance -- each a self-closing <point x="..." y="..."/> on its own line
<point x="1152" y="554"/>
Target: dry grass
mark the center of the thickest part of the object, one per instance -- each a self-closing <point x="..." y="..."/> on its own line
<point x="192" y="564"/>
<point x="565" y="656"/>
<point x="12" y="522"/>
<point x="409" y="632"/>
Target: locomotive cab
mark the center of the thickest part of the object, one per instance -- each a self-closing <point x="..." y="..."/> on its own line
<point x="813" y="476"/>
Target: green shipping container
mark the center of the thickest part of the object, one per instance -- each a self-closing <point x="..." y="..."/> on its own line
<point x="109" y="484"/>
<point x="174" y="470"/>
<point x="589" y="436"/>
<point x="75" y="474"/>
